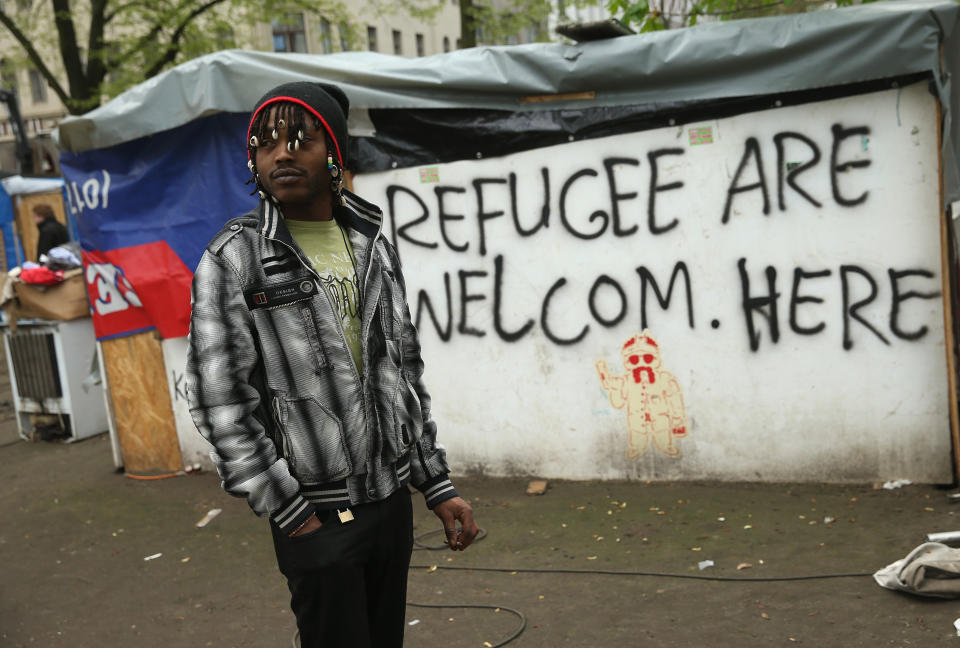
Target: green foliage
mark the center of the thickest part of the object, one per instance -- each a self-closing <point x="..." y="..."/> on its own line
<point x="489" y="22"/>
<point x="656" y="15"/>
<point x="107" y="46"/>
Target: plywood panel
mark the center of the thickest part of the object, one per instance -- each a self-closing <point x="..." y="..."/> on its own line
<point x="26" y="228"/>
<point x="949" y="309"/>
<point x="141" y="404"/>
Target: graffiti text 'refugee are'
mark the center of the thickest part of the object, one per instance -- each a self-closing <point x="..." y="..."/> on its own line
<point x="776" y="300"/>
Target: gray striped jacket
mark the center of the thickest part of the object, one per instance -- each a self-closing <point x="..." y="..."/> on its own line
<point x="273" y="385"/>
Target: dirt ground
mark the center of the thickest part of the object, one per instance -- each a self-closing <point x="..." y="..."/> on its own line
<point x="75" y="534"/>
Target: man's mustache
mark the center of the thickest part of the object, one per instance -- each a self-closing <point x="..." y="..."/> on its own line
<point x="288" y="170"/>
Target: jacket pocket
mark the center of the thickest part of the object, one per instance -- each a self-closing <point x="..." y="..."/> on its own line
<point x="314" y="445"/>
<point x="290" y="348"/>
<point x="408" y="418"/>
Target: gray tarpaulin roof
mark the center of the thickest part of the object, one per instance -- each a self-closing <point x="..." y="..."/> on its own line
<point x="710" y="61"/>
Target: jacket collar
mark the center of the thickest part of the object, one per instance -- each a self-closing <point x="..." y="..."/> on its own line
<point x="356" y="214"/>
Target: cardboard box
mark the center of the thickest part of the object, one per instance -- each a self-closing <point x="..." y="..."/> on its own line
<point x="64" y="301"/>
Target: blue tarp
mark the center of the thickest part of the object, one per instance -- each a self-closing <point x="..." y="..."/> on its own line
<point x="11" y="245"/>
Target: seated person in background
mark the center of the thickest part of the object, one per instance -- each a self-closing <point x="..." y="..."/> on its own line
<point x="52" y="233"/>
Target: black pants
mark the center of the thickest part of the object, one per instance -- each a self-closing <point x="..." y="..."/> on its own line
<point x="348" y="582"/>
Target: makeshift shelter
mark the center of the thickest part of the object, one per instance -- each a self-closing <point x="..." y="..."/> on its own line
<point x="767" y="197"/>
<point x="10" y="251"/>
<point x="19" y="195"/>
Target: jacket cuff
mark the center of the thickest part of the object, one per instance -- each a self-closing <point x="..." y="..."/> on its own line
<point x="292" y="514"/>
<point x="436" y="490"/>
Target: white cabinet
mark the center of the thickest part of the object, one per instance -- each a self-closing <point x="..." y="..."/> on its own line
<point x="49" y="363"/>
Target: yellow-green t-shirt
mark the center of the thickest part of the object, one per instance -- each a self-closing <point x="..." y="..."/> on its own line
<point x="328" y="249"/>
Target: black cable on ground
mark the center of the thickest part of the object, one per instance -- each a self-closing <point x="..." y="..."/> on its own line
<point x="419" y="546"/>
<point x="613" y="572"/>
<point x="518" y="613"/>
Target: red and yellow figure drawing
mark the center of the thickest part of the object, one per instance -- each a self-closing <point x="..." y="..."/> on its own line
<point x="651" y="396"/>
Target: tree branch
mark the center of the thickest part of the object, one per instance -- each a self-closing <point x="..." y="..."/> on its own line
<point x="35" y="57"/>
<point x="69" y="52"/>
<point x="108" y="18"/>
<point x="173" y="48"/>
<point x="96" y="69"/>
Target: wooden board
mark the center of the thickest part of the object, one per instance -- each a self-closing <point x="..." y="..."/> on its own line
<point x="141" y="404"/>
<point x="26" y="228"/>
<point x="948" y="310"/>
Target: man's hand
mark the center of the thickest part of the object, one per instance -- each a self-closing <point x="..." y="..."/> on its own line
<point x="312" y="524"/>
<point x="450" y="511"/>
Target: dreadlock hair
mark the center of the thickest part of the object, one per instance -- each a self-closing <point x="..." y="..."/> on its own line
<point x="294" y="117"/>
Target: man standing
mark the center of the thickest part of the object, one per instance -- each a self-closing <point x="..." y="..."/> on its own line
<point x="51" y="232"/>
<point x="305" y="374"/>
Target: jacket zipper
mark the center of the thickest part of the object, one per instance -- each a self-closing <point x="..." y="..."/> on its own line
<point x="278" y="414"/>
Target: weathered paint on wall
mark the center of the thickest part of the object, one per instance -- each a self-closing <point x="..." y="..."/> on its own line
<point x="787" y="262"/>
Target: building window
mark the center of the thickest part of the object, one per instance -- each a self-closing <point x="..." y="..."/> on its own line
<point x="446" y="43"/>
<point x="397" y="42"/>
<point x="344" y="37"/>
<point x="326" y="40"/>
<point x="288" y="34"/>
<point x="459" y="44"/>
<point x="419" y="44"/>
<point x="372" y="39"/>
<point x="38" y="86"/>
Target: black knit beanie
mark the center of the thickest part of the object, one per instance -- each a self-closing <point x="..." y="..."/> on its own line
<point x="326" y="102"/>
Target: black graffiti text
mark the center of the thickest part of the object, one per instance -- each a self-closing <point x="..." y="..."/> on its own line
<point x="460" y="218"/>
<point x="605" y="303"/>
<point x="763" y="301"/>
<point x="751" y="175"/>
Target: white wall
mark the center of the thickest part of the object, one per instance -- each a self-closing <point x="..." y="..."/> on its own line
<point x="193" y="447"/>
<point x="864" y="398"/>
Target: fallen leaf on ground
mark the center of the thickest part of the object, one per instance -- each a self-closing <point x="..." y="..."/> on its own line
<point x="765" y="615"/>
<point x="537" y="487"/>
<point x="744" y="566"/>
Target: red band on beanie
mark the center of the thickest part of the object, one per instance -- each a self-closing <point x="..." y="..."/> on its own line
<point x="313" y="112"/>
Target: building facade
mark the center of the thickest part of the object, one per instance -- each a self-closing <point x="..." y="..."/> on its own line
<point x="376" y="26"/>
